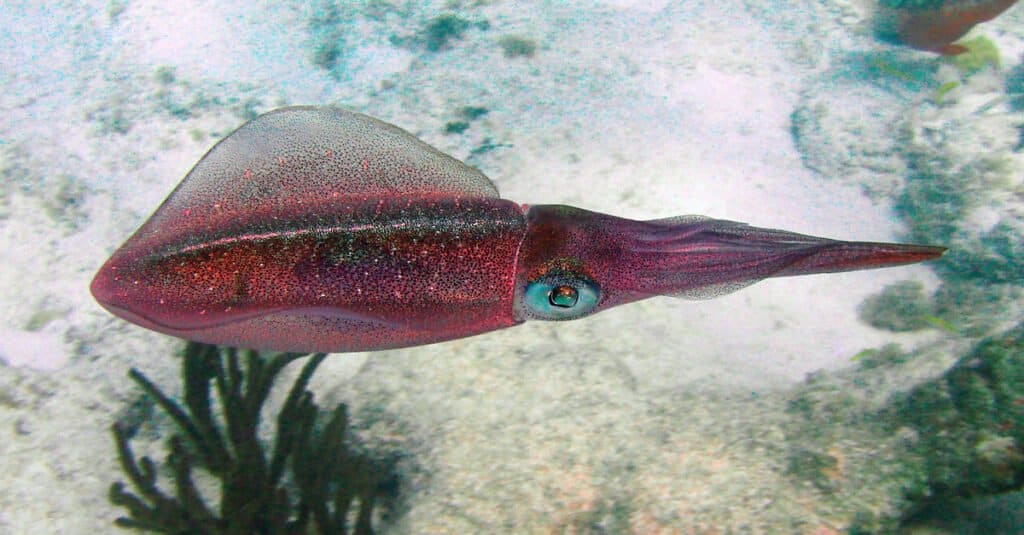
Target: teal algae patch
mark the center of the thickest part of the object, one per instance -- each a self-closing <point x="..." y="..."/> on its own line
<point x="969" y="423"/>
<point x="902" y="306"/>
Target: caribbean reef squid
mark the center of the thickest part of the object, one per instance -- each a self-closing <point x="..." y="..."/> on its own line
<point x="934" y="25"/>
<point x="319" y="229"/>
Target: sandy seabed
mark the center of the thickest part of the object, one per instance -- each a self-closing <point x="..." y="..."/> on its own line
<point x="662" y="416"/>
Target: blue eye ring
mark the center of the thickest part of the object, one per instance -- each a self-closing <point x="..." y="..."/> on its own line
<point x="561" y="296"/>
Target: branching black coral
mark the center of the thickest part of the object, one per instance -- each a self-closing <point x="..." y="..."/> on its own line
<point x="306" y="481"/>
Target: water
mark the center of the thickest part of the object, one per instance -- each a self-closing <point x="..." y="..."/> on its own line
<point x="788" y="407"/>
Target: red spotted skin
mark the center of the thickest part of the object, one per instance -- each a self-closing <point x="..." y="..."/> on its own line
<point x="319" y="229"/>
<point x="374" y="275"/>
<point x="690" y="256"/>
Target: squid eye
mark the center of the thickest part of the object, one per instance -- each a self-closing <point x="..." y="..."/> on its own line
<point x="560" y="297"/>
<point x="563" y="296"/>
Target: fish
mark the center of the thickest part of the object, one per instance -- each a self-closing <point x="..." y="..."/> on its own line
<point x="318" y="229"/>
<point x="935" y="25"/>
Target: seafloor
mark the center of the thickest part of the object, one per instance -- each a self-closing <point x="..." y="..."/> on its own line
<point x="808" y="405"/>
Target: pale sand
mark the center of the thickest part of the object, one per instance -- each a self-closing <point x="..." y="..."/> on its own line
<point x="641" y="109"/>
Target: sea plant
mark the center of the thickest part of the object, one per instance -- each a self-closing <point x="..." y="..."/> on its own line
<point x="980" y="52"/>
<point x="443" y="28"/>
<point x="969" y="424"/>
<point x="304" y="481"/>
<point x="515" y="46"/>
<point x="899" y="307"/>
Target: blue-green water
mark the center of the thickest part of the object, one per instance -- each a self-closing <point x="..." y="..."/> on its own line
<point x="845" y="403"/>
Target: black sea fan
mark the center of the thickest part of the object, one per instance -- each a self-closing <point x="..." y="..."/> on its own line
<point x="305" y="481"/>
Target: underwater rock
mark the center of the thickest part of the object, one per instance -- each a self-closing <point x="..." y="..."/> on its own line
<point x="877" y="449"/>
<point x="898" y="307"/>
<point x="966" y="170"/>
<point x="969" y="423"/>
<point x="1002" y="514"/>
<point x="853" y="142"/>
<point x="975" y="308"/>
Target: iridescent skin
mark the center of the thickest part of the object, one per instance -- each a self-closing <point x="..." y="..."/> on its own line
<point x="319" y="229"/>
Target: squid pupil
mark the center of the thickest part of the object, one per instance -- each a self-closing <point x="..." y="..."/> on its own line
<point x="563" y="296"/>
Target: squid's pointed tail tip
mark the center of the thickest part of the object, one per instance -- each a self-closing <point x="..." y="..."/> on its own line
<point x="867" y="255"/>
<point x="871" y="254"/>
<point x="931" y="252"/>
<point x="909" y="253"/>
<point x="850" y="256"/>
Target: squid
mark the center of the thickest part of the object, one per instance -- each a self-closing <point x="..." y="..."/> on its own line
<point x="317" y="229"/>
<point x="934" y="25"/>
